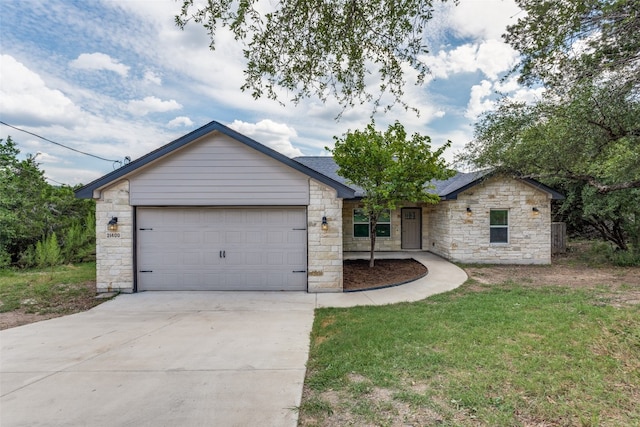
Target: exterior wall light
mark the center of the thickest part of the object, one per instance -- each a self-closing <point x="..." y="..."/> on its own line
<point x="535" y="210"/>
<point x="325" y="225"/>
<point x="112" y="225"/>
<point x="469" y="211"/>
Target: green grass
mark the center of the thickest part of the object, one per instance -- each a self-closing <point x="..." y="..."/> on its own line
<point x="507" y="355"/>
<point x="53" y="290"/>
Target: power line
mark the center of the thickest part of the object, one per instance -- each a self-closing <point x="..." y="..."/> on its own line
<point x="61" y="145"/>
<point x="57" y="182"/>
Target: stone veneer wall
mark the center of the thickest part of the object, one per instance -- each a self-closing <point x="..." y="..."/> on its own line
<point x="114" y="251"/>
<point x="325" y="247"/>
<point x="393" y="243"/>
<point x="439" y="238"/>
<point x="463" y="237"/>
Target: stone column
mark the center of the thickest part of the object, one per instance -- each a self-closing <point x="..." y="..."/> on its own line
<point x="114" y="250"/>
<point x="325" y="246"/>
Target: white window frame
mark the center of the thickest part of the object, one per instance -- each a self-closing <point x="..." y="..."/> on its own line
<point x="499" y="226"/>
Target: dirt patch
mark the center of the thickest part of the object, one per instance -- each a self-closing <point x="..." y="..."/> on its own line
<point x="620" y="285"/>
<point x="341" y="408"/>
<point x="386" y="272"/>
<point x="56" y="307"/>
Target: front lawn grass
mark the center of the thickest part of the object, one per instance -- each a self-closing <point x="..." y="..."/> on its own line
<point x="482" y="355"/>
<point x="60" y="289"/>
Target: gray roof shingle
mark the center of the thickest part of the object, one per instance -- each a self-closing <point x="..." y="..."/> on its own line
<point x="447" y="189"/>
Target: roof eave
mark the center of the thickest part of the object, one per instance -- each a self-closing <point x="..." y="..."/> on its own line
<point x="555" y="195"/>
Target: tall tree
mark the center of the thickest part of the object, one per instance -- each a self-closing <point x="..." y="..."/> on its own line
<point x="22" y="189"/>
<point x="592" y="136"/>
<point x="322" y="48"/>
<point x="567" y="41"/>
<point x="31" y="209"/>
<point x="391" y="168"/>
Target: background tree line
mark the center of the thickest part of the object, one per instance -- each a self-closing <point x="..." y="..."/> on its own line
<point x="40" y="224"/>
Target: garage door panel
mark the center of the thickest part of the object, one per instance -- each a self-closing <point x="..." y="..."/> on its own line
<point x="295" y="237"/>
<point x="294" y="258"/>
<point x="191" y="258"/>
<point x="211" y="258"/>
<point x="275" y="236"/>
<point x="193" y="217"/>
<point x="254" y="238"/>
<point x="212" y="237"/>
<point x="275" y="258"/>
<point x="234" y="237"/>
<point x="254" y="258"/>
<point x="192" y="237"/>
<point x="166" y="259"/>
<point x="222" y="248"/>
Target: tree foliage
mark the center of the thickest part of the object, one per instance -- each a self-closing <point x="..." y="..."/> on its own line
<point x="31" y="211"/>
<point x="591" y="136"/>
<point x="568" y="41"/>
<point x="322" y="48"/>
<point x="390" y="167"/>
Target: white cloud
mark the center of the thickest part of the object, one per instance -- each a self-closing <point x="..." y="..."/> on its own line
<point x="99" y="61"/>
<point x="26" y="99"/>
<point x="458" y="60"/>
<point x="274" y="135"/>
<point x="180" y="121"/>
<point x="494" y="58"/>
<point x="491" y="57"/>
<point x="151" y="77"/>
<point x="151" y="104"/>
<point x="483" y="19"/>
<point x="458" y="137"/>
<point x="477" y="102"/>
<point x="483" y="96"/>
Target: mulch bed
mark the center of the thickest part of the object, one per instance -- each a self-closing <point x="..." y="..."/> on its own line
<point x="386" y="272"/>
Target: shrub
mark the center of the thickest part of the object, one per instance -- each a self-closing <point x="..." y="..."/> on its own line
<point x="605" y="253"/>
<point x="27" y="257"/>
<point x="5" y="259"/>
<point x="625" y="258"/>
<point x="47" y="253"/>
<point x="79" y="240"/>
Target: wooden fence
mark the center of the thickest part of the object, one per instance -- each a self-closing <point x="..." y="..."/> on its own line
<point x="558" y="238"/>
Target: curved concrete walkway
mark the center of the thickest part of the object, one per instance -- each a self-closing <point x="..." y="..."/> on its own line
<point x="179" y="358"/>
<point x="443" y="276"/>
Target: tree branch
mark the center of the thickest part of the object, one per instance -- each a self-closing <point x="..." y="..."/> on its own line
<point x="591" y="180"/>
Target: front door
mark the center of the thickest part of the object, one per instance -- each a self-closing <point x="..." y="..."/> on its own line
<point x="411" y="228"/>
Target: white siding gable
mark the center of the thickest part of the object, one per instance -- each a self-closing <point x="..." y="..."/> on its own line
<point x="218" y="171"/>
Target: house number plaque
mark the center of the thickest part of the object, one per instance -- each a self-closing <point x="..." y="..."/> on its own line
<point x="113" y="235"/>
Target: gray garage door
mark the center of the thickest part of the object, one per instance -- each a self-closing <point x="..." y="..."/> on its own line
<point x="221" y="249"/>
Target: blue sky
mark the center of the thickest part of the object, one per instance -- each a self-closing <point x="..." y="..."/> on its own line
<point x="116" y="78"/>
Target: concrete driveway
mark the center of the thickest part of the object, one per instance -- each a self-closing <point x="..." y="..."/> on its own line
<point x="161" y="359"/>
<point x="179" y="358"/>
